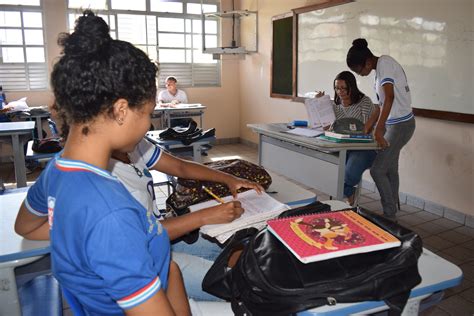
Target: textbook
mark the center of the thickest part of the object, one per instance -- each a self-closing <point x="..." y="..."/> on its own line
<point x="258" y="208"/>
<point x="320" y="111"/>
<point x="343" y="136"/>
<point x="345" y="140"/>
<point x="322" y="236"/>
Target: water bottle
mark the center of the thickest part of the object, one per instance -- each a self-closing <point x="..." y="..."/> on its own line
<point x="53" y="128"/>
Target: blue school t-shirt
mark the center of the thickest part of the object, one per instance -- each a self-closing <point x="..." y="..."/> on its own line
<point x="106" y="249"/>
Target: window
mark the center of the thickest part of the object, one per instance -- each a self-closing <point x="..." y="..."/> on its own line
<point x="169" y="31"/>
<point x="22" y="54"/>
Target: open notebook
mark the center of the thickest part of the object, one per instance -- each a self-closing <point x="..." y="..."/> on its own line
<point x="258" y="209"/>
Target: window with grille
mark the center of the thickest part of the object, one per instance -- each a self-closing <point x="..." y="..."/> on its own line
<point x="22" y="46"/>
<point x="169" y="31"/>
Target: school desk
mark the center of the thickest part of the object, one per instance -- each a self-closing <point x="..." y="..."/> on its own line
<point x="316" y="163"/>
<point x="15" y="130"/>
<point x="178" y="111"/>
<point x="176" y="144"/>
<point x="16" y="251"/>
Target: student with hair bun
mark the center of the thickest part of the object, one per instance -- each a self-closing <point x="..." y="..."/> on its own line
<point x="107" y="251"/>
<point x="396" y="123"/>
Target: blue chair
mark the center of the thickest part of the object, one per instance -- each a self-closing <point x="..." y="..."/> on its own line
<point x="41" y="296"/>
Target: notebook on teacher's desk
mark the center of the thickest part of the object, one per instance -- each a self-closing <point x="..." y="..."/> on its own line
<point x="323" y="236"/>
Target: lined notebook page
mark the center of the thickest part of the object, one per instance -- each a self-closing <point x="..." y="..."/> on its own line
<point x="258" y="209"/>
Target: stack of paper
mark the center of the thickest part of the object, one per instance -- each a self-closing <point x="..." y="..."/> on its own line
<point x="308" y="132"/>
<point x="258" y="208"/>
<point x="320" y="111"/>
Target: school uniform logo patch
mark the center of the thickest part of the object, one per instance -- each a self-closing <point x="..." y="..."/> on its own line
<point x="51" y="203"/>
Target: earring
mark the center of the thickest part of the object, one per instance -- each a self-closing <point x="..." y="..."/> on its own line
<point x="120" y="121"/>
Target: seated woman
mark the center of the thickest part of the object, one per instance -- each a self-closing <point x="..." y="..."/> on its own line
<point x="350" y="102"/>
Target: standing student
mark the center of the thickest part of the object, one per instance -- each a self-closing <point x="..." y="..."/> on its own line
<point x="106" y="250"/>
<point x="132" y="169"/>
<point x="396" y="123"/>
<point x="350" y="102"/>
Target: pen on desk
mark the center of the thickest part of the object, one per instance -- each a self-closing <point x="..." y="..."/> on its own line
<point x="218" y="199"/>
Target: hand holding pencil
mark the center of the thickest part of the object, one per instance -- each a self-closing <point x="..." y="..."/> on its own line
<point x="222" y="213"/>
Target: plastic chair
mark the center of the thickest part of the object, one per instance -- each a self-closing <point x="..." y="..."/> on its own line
<point x="41" y="296"/>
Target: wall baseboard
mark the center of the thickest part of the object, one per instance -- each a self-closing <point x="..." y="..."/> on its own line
<point x="428" y="206"/>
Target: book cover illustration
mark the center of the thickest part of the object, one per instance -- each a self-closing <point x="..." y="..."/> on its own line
<point x="323" y="236"/>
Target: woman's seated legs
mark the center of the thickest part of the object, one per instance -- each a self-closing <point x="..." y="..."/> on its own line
<point x="356" y="163"/>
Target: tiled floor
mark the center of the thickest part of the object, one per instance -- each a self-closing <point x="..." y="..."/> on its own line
<point x="447" y="238"/>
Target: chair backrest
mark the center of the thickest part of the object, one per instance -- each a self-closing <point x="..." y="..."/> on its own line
<point x="74" y="305"/>
<point x="41" y="296"/>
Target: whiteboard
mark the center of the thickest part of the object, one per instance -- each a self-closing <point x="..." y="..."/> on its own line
<point x="431" y="39"/>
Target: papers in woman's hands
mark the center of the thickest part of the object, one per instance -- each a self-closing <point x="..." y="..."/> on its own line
<point x="308" y="132"/>
<point x="320" y="111"/>
<point x="258" y="208"/>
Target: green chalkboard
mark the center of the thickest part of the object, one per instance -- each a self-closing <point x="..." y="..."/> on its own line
<point x="282" y="57"/>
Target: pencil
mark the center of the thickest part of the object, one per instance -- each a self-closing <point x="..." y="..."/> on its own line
<point x="218" y="199"/>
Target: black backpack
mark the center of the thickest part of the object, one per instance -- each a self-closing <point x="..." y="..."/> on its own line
<point x="269" y="280"/>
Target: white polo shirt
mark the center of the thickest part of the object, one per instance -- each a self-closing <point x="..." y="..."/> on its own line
<point x="390" y="71"/>
<point x="165" y="97"/>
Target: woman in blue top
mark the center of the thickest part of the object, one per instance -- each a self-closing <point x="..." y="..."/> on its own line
<point x="396" y="123"/>
<point x="350" y="102"/>
<point x="106" y="250"/>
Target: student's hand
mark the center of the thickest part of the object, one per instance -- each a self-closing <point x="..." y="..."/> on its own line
<point x="319" y="94"/>
<point x="234" y="184"/>
<point x="378" y="135"/>
<point x="222" y="213"/>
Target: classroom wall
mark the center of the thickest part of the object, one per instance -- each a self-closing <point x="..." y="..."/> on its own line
<point x="222" y="102"/>
<point x="437" y="164"/>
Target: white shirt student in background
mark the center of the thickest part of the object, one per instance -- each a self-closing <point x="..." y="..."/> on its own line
<point x="172" y="95"/>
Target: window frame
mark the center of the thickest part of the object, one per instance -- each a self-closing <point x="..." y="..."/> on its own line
<point x="40" y="69"/>
<point x="189" y="72"/>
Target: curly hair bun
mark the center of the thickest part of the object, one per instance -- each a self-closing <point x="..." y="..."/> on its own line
<point x="91" y="35"/>
<point x="360" y="43"/>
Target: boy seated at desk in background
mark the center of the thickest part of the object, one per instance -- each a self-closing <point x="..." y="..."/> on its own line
<point x="171" y="97"/>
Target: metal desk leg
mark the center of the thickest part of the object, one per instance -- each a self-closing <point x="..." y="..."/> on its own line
<point x="19" y="161"/>
<point x="9" y="301"/>
<point x="39" y="128"/>
<point x="197" y="153"/>
<point x="340" y="174"/>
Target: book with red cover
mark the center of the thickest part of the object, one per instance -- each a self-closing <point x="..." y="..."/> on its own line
<point x="322" y="236"/>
